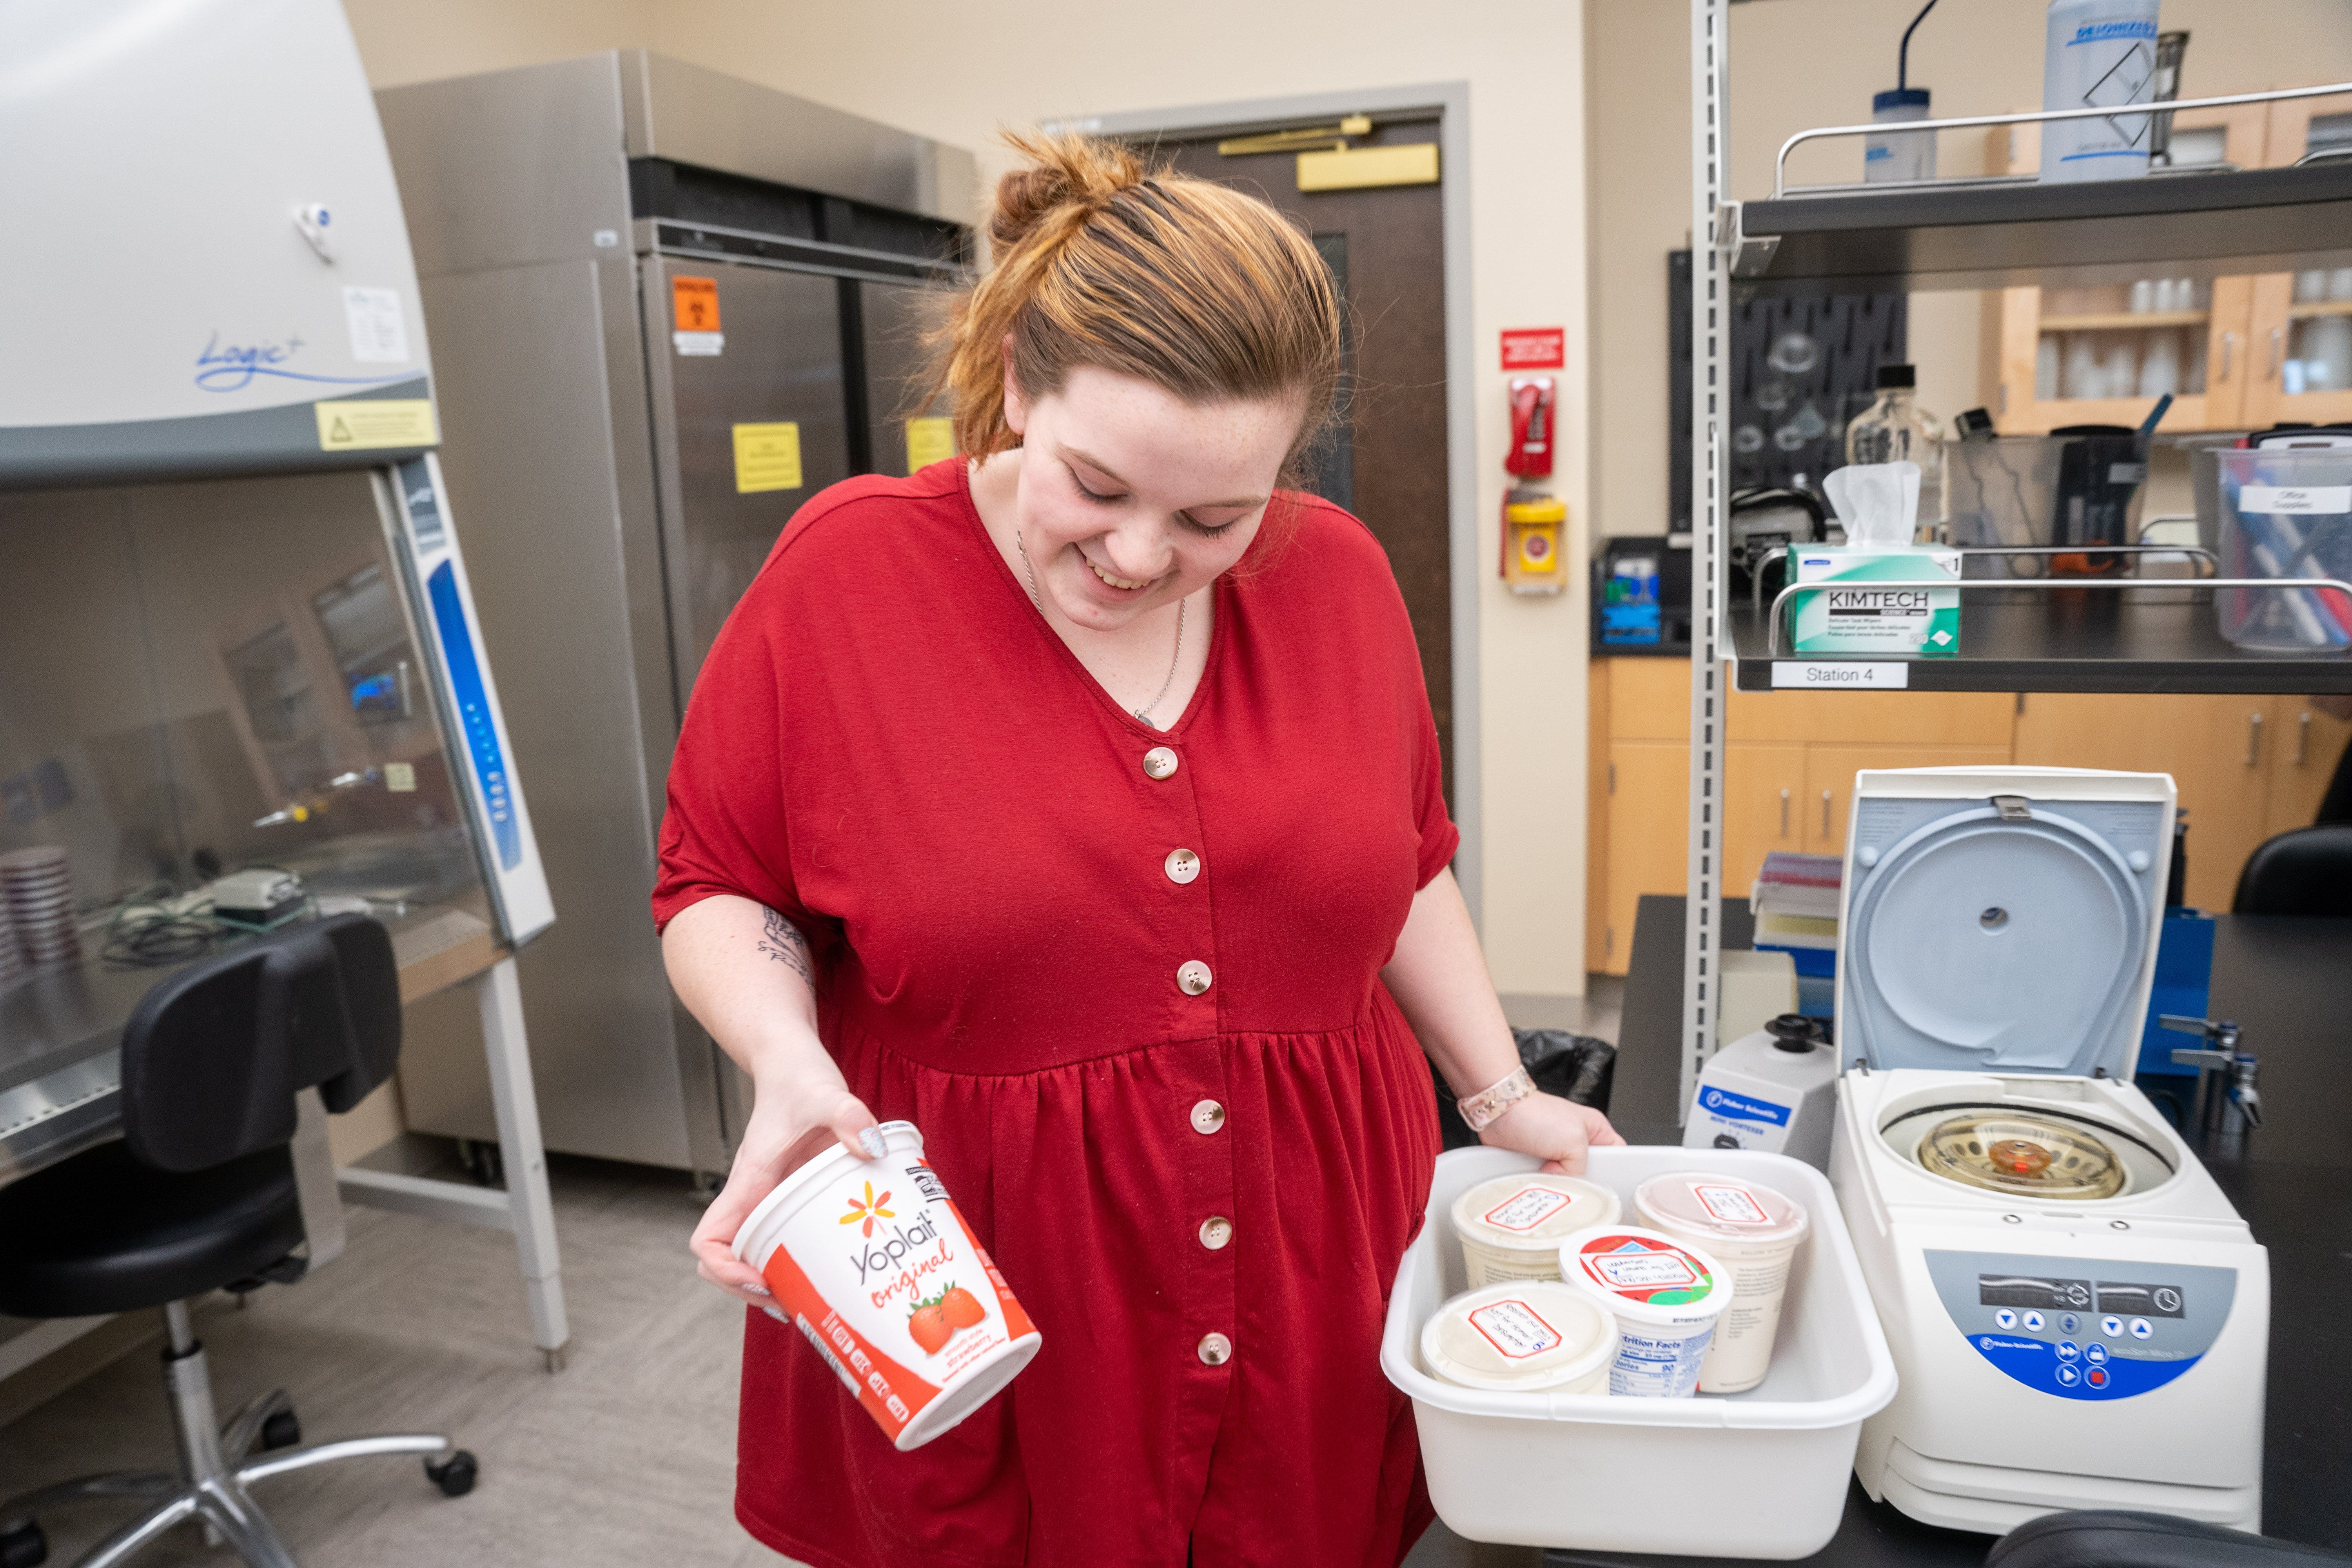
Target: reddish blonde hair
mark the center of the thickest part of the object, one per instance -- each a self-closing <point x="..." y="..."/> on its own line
<point x="1183" y="282"/>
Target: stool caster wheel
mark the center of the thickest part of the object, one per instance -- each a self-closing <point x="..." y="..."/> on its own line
<point x="281" y="1431"/>
<point x="22" y="1544"/>
<point x="454" y="1474"/>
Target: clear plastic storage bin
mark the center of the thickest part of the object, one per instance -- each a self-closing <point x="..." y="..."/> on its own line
<point x="2041" y="491"/>
<point x="2286" y="511"/>
<point x="1760" y="1474"/>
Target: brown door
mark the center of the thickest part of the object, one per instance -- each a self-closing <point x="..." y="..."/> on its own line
<point x="1385" y="248"/>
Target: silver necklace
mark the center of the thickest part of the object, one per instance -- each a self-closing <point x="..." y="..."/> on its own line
<point x="1175" y="659"/>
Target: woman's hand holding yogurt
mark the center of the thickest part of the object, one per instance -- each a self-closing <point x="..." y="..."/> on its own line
<point x="1556" y="1130"/>
<point x="745" y="973"/>
<point x="791" y="1124"/>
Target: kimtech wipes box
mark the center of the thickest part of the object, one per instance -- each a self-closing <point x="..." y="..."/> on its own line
<point x="1880" y="600"/>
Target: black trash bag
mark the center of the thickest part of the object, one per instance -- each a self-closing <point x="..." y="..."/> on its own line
<point x="1574" y="1066"/>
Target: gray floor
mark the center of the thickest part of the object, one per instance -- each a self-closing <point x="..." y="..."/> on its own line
<point x="625" y="1458"/>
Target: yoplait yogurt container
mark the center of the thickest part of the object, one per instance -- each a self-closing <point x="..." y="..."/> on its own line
<point x="1755" y="1231"/>
<point x="1665" y="1296"/>
<point x="873" y="1263"/>
<point x="1511" y="1227"/>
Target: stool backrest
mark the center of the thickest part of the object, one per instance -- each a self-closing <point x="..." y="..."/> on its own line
<point x="2307" y="871"/>
<point x="214" y="1055"/>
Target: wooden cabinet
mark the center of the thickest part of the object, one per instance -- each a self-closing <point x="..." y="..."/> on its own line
<point x="2218" y="749"/>
<point x="2300" y="337"/>
<point x="2247" y="768"/>
<point x="2305" y="747"/>
<point x="2054" y="341"/>
<point x="1789" y="767"/>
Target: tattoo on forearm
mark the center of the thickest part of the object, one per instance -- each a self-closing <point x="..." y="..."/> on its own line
<point x="782" y="941"/>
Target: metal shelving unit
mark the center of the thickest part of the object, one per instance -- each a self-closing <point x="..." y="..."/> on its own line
<point x="2153" y="634"/>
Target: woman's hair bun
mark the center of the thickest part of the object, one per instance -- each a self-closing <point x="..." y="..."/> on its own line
<point x="1063" y="171"/>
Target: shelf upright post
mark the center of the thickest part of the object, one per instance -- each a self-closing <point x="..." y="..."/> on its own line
<point x="1710" y="351"/>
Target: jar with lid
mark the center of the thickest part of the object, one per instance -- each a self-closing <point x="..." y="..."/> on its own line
<point x="1895" y="429"/>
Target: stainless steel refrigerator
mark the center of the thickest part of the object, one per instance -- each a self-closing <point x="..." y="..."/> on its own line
<point x="669" y="307"/>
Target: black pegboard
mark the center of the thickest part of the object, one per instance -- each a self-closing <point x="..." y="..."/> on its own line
<point x="1851" y="336"/>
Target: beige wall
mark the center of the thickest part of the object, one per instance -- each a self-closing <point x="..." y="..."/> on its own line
<point x="1800" y="63"/>
<point x="957" y="72"/>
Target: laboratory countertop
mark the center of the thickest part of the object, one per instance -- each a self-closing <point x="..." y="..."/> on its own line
<point x="61" y="1076"/>
<point x="2283" y="980"/>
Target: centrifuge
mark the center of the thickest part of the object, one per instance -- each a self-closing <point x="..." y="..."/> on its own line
<point x="2078" y="1317"/>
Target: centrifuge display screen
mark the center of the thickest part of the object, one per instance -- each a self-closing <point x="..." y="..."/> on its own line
<point x="2131" y="1300"/>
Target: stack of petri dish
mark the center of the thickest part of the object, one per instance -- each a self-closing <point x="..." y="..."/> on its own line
<point x="38" y="886"/>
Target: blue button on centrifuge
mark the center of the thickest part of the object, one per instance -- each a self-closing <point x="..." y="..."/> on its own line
<point x="2067" y="1377"/>
<point x="2096" y="1354"/>
<point x="2032" y="1322"/>
<point x="2069" y="1323"/>
<point x="2068" y="1350"/>
<point x="2112" y="1327"/>
<point x="2005" y="1319"/>
<point x="2142" y="1329"/>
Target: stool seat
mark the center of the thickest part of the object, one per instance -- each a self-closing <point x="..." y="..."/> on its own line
<point x="102" y="1233"/>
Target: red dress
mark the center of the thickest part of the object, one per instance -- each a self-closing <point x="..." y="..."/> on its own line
<point x="889" y="745"/>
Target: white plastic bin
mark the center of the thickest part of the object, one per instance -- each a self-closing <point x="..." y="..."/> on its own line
<point x="1759" y="1474"/>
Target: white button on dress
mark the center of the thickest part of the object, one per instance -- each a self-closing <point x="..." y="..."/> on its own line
<point x="1192" y="977"/>
<point x="1159" y="763"/>
<point x="1215" y="1231"/>
<point x="1208" y="1117"/>
<point x="1182" y="866"/>
<point x="1215" y="1350"/>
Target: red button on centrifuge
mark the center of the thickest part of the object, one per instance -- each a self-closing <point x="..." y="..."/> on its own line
<point x="2096" y="1377"/>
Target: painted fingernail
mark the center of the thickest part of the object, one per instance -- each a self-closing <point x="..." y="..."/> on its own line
<point x="777" y="1314"/>
<point x="870" y="1139"/>
<point x="758" y="1289"/>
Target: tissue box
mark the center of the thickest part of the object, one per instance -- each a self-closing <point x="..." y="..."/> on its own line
<point x="1886" y="601"/>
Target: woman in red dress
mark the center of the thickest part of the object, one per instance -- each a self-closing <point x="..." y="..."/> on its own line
<point x="1080" y="803"/>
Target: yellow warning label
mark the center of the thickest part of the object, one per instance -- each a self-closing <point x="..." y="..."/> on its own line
<point x="929" y="441"/>
<point x="376" y="422"/>
<point x="767" y="458"/>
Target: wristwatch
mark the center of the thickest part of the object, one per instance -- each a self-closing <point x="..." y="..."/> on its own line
<point x="1481" y="1108"/>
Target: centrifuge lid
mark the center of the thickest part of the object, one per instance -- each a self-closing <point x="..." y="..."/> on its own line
<point x="2012" y="934"/>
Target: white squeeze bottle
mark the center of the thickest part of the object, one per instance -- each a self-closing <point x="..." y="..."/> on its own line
<point x="2100" y="54"/>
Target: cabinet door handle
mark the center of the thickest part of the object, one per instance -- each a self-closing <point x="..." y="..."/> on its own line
<point x="1825" y="816"/>
<point x="2229" y="353"/>
<point x="1784" y="814"/>
<point x="1613" y="778"/>
<point x="2253" y="739"/>
<point x="2270" y="367"/>
<point x="2302" y="737"/>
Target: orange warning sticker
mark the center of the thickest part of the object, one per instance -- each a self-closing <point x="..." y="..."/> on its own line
<point x="696" y="302"/>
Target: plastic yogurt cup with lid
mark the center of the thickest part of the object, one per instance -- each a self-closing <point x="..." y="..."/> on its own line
<point x="1755" y="1231"/>
<point x="1522" y="1336"/>
<point x="1665" y="1296"/>
<point x="1511" y="1227"/>
<point x="875" y="1264"/>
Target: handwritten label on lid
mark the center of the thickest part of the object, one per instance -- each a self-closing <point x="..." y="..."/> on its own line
<point x="1732" y="1206"/>
<point x="1515" y="1329"/>
<point x="1641" y="1270"/>
<point x="1527" y="1208"/>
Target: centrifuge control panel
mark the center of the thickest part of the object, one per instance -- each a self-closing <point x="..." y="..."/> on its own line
<point x="2084" y="1329"/>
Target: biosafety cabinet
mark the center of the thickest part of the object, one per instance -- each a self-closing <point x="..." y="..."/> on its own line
<point x="669" y="307"/>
